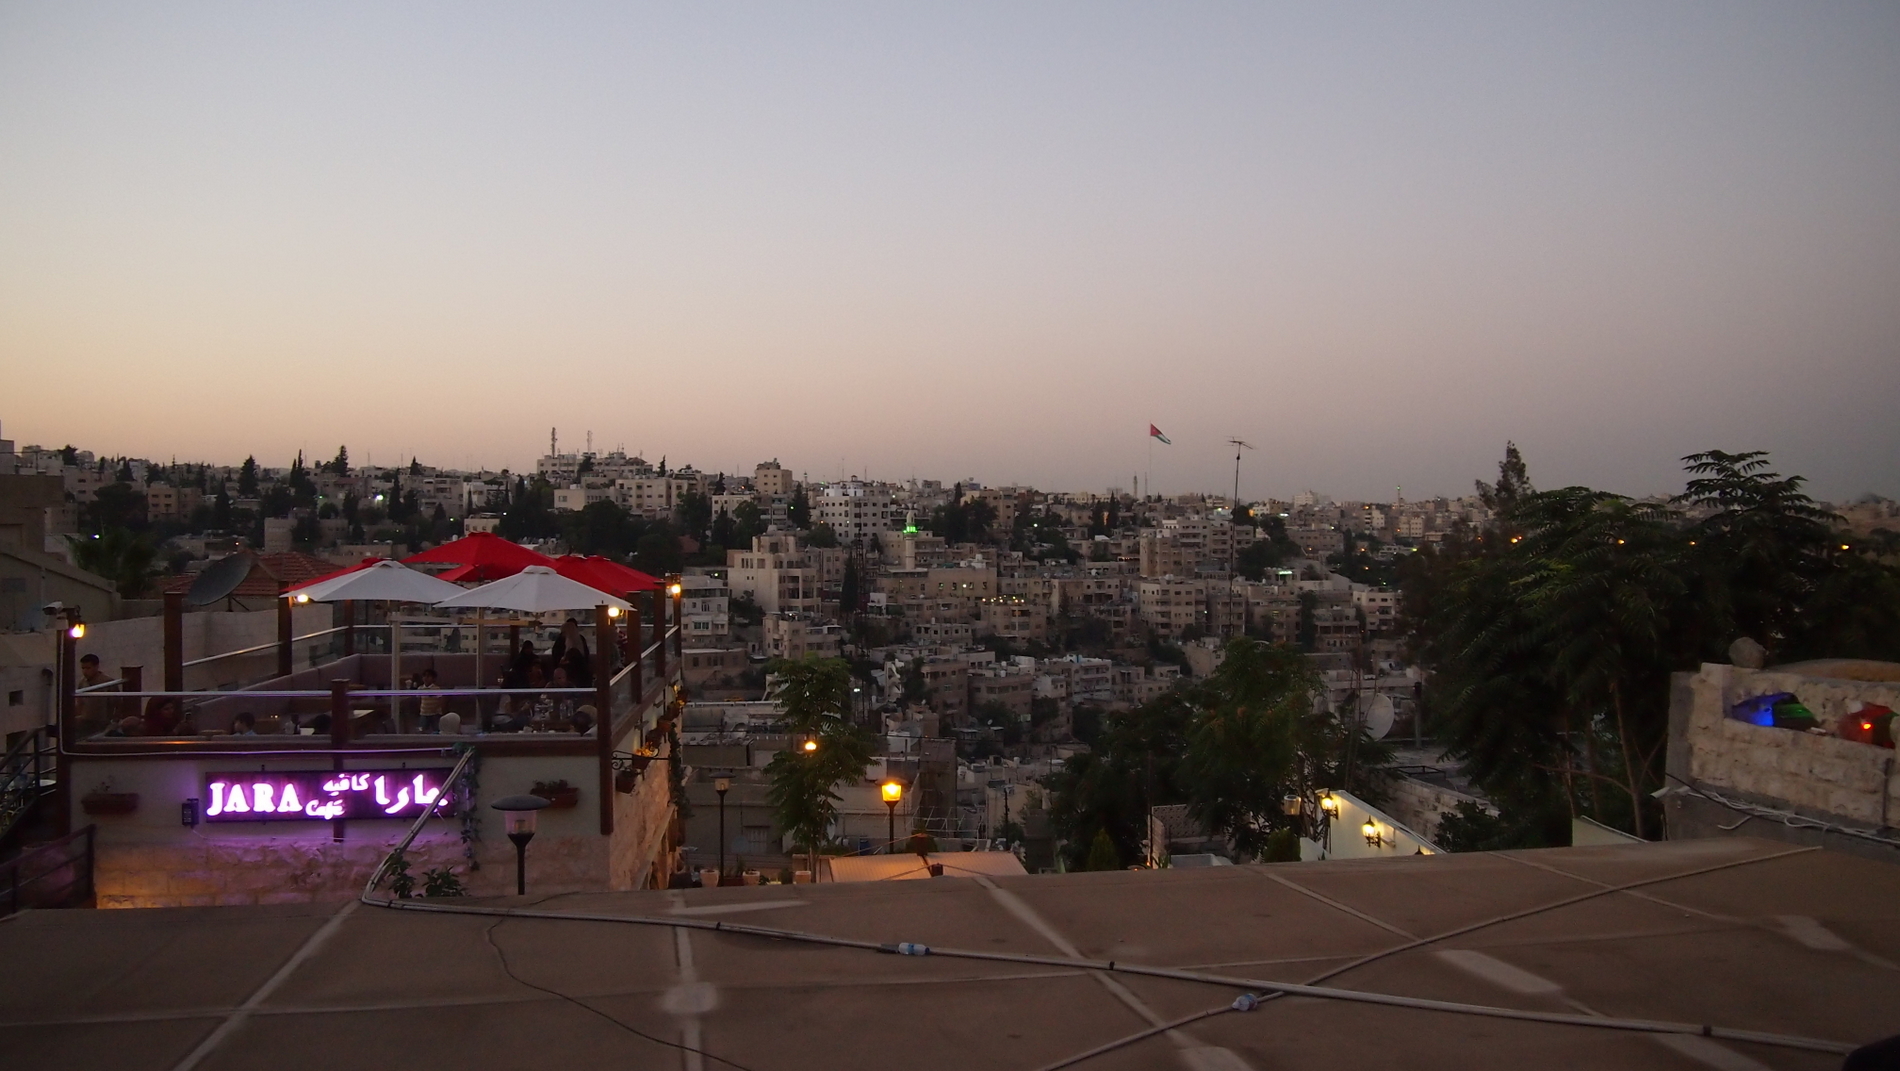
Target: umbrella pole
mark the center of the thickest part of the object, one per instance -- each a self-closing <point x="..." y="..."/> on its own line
<point x="395" y="670"/>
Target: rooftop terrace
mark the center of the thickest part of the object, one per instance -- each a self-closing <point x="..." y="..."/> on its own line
<point x="1736" y="933"/>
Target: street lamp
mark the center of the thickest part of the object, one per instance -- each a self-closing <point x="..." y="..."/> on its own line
<point x="519" y="813"/>
<point x="722" y="785"/>
<point x="893" y="791"/>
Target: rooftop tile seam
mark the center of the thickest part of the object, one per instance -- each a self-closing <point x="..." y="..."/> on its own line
<point x="1335" y="904"/>
<point x="1775" y="927"/>
<point x="1552" y="906"/>
<point x="218" y="1012"/>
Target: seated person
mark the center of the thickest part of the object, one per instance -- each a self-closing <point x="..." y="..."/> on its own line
<point x="320" y="725"/>
<point x="582" y="721"/>
<point x="160" y="718"/>
<point x="244" y="724"/>
<point x="579" y="670"/>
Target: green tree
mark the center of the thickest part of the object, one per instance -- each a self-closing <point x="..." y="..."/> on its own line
<point x="247" y="478"/>
<point x="694" y="514"/>
<point x="821" y="536"/>
<point x="1102" y="853"/>
<point x="826" y="748"/>
<point x="340" y="465"/>
<point x="798" y="511"/>
<point x="128" y="560"/>
<point x="1243" y="743"/>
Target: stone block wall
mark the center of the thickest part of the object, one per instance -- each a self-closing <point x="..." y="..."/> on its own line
<point x="1814" y="774"/>
<point x="1420" y="805"/>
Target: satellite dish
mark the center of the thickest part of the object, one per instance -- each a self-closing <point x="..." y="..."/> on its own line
<point x="1379" y="716"/>
<point x="221" y="579"/>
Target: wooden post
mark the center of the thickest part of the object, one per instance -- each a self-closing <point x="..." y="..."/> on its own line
<point x="604" y="716"/>
<point x="339" y="736"/>
<point x="134" y="678"/>
<point x="637" y="678"/>
<point x="659" y="635"/>
<point x="174" y="641"/>
<point x="284" y="630"/>
<point x="349" y="627"/>
<point x="339" y="712"/>
<point x="679" y="628"/>
<point x="66" y="665"/>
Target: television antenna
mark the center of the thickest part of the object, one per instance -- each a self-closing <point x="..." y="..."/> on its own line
<point x="1233" y="508"/>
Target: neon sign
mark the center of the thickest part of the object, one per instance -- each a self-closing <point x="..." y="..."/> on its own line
<point x="321" y="796"/>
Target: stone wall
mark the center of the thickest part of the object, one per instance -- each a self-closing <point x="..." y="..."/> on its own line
<point x="1819" y="775"/>
<point x="1420" y="805"/>
<point x="150" y="859"/>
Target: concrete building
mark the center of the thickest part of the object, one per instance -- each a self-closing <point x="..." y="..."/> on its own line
<point x="797" y="635"/>
<point x="1169" y="605"/>
<point x="857" y="512"/>
<point x="777" y="573"/>
<point x="769" y="478"/>
<point x="705" y="608"/>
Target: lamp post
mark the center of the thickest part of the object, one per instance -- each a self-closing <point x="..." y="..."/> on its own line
<point x="519" y="813"/>
<point x="893" y="791"/>
<point x="722" y="785"/>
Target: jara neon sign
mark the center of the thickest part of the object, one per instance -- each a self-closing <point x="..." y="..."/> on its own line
<point x="324" y="797"/>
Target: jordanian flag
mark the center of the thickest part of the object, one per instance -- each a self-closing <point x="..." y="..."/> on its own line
<point x="1155" y="433"/>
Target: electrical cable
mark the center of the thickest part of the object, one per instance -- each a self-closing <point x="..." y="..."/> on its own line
<point x="489" y="936"/>
<point x="1273" y="988"/>
<point x="1786" y="818"/>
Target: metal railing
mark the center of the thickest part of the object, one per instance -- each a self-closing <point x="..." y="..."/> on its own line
<point x="27" y="775"/>
<point x="55" y="874"/>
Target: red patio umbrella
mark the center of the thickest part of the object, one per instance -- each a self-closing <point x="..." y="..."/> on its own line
<point x="605" y="574"/>
<point x="484" y="556"/>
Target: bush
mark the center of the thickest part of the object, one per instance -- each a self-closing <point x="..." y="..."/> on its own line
<point x="1283" y="846"/>
<point x="1102" y="853"/>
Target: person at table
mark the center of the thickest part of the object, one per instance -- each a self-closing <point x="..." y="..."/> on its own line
<point x="579" y="670"/>
<point x="244" y="724"/>
<point x="160" y="718"/>
<point x="540" y="707"/>
<point x="524" y="658"/>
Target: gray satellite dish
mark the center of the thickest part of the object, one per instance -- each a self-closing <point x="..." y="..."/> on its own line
<point x="221" y="579"/>
<point x="1379" y="716"/>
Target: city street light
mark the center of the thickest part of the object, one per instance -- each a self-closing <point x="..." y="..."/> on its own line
<point x="893" y="791"/>
<point x="722" y="785"/>
<point x="519" y="812"/>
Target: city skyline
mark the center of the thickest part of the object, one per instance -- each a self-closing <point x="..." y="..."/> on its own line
<point x="984" y="242"/>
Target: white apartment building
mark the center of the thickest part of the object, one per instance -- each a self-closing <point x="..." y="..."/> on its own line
<point x="1380" y="606"/>
<point x="705" y="608"/>
<point x="1170" y="605"/>
<point x="856" y="510"/>
<point x="772" y="479"/>
<point x="776" y="573"/>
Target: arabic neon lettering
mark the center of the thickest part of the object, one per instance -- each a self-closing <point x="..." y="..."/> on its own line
<point x="324" y="796"/>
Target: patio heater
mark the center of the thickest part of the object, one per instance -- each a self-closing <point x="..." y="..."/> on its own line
<point x="519" y="814"/>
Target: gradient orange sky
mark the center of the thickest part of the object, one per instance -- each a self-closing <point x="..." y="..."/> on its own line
<point x="962" y="240"/>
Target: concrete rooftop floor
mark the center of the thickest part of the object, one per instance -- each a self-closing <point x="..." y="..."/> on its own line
<point x="1802" y="944"/>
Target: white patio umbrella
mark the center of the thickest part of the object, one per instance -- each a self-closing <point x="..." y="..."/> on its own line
<point x="535" y="590"/>
<point x="389" y="582"/>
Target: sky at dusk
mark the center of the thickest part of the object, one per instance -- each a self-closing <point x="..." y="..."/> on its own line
<point x="969" y="240"/>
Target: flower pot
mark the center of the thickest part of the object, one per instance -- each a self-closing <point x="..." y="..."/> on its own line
<point x="752" y="877"/>
<point x="559" y="799"/>
<point x="110" y="803"/>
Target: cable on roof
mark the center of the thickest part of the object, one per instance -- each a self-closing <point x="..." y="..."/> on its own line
<point x="1787" y="818"/>
<point x="1273" y="988"/>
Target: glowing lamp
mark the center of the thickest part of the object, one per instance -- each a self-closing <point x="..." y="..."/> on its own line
<point x="613" y="611"/>
<point x="1330" y="804"/>
<point x="1371" y="832"/>
<point x="675" y="589"/>
<point x="78" y="631"/>
<point x="810" y="746"/>
<point x="893" y="791"/>
<point x="302" y="598"/>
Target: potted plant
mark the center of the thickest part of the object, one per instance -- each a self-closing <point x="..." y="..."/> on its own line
<point x="560" y="795"/>
<point x="103" y="800"/>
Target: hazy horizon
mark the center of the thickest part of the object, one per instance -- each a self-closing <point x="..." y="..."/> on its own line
<point x="984" y="241"/>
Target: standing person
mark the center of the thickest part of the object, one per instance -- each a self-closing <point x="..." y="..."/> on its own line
<point x="92" y="714"/>
<point x="429" y="707"/>
<point x="569" y="640"/>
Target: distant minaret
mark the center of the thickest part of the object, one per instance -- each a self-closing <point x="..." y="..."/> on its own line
<point x="554" y="443"/>
<point x="590" y="441"/>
